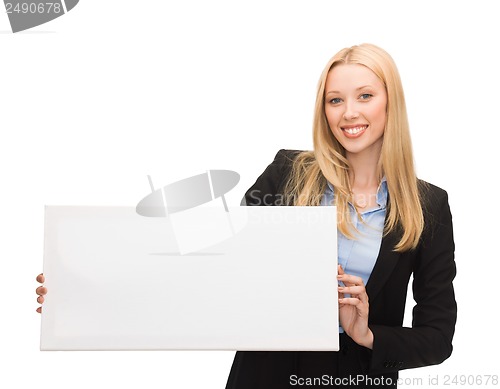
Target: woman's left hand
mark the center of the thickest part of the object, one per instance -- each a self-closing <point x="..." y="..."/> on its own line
<point x="353" y="310"/>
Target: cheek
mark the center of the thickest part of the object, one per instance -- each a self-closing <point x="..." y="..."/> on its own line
<point x="378" y="113"/>
<point x="332" y="118"/>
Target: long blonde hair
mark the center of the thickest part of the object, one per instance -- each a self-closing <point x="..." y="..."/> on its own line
<point x="312" y="169"/>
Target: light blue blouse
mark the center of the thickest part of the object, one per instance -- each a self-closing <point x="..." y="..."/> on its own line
<point x="358" y="256"/>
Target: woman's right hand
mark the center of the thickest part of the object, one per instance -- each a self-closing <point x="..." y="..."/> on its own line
<point x="40" y="291"/>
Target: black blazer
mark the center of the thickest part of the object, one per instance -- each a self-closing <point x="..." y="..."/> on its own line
<point x="429" y="340"/>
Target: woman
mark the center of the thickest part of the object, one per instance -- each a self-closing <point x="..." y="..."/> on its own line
<point x="390" y="224"/>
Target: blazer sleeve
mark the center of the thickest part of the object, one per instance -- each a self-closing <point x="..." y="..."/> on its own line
<point x="268" y="189"/>
<point x="429" y="340"/>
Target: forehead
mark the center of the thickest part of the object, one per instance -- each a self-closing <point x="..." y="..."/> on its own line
<point x="346" y="77"/>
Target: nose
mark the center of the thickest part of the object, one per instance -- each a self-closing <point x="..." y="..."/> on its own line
<point x="350" y="112"/>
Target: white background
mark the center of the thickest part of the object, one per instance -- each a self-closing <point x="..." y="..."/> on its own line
<point x="93" y="101"/>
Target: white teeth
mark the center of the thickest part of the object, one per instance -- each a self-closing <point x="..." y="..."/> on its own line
<point x="354" y="130"/>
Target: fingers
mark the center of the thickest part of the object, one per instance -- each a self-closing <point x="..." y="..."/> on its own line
<point x="351" y="301"/>
<point x="350" y="280"/>
<point x="41" y="290"/>
<point x="340" y="271"/>
<point x="354" y="299"/>
<point x="352" y="289"/>
<point x="361" y="307"/>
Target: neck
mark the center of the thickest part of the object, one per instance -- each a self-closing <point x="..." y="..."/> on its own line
<point x="365" y="172"/>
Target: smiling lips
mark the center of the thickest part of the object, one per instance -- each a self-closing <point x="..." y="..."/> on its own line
<point x="354" y="131"/>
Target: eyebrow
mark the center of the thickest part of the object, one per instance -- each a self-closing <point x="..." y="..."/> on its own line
<point x="361" y="87"/>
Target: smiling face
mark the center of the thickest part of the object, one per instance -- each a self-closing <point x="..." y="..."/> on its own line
<point x="355" y="108"/>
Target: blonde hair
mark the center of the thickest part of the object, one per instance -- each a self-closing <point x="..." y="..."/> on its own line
<point x="312" y="169"/>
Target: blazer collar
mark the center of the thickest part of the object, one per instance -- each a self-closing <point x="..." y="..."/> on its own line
<point x="386" y="261"/>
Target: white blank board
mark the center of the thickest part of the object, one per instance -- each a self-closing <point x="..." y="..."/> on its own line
<point x="116" y="281"/>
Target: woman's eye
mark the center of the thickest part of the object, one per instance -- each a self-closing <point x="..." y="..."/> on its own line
<point x="336" y="100"/>
<point x="365" y="96"/>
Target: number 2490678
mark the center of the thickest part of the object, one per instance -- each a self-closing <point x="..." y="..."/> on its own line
<point x="33" y="8"/>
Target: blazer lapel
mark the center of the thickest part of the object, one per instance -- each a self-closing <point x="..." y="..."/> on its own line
<point x="384" y="265"/>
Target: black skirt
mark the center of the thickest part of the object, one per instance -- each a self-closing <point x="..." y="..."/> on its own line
<point x="347" y="368"/>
